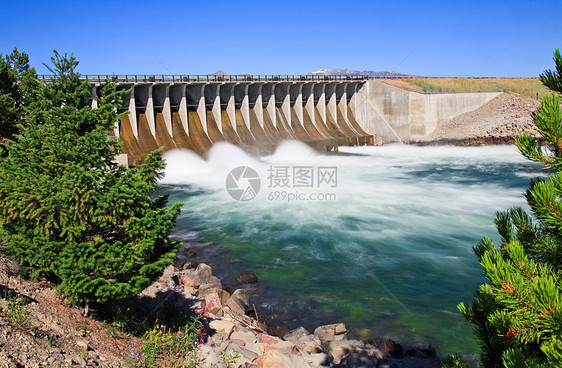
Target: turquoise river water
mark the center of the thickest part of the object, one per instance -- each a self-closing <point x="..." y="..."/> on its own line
<point x="377" y="237"/>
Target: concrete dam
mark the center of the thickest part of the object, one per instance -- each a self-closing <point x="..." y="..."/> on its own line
<point x="257" y="112"/>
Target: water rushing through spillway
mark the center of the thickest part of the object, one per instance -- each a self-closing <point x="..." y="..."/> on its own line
<point x="387" y="249"/>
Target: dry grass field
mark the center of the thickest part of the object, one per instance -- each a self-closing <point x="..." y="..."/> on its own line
<point x="528" y="87"/>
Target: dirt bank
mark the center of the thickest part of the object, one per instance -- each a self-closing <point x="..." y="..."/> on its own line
<point x="496" y="122"/>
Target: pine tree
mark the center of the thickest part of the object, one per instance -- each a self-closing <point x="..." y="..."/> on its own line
<point x="17" y="86"/>
<point x="518" y="315"/>
<point x="70" y="213"/>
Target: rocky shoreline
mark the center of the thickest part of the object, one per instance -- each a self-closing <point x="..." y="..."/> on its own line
<point x="466" y="142"/>
<point x="52" y="333"/>
<point x="470" y="142"/>
<point x="236" y="327"/>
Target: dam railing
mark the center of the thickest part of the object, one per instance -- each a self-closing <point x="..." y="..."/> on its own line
<point x="217" y="78"/>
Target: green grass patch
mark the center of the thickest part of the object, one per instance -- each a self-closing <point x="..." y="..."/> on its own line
<point x="18" y="312"/>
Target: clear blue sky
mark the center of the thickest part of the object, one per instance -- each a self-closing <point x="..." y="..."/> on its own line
<point x="474" y="38"/>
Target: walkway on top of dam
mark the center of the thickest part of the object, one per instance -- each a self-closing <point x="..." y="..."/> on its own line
<point x="221" y="78"/>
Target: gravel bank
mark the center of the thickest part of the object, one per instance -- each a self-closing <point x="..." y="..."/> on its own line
<point x="497" y="121"/>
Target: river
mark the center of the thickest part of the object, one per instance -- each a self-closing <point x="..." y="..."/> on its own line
<point x="377" y="237"/>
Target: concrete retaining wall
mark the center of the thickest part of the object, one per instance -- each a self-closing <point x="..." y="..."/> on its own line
<point x="397" y="115"/>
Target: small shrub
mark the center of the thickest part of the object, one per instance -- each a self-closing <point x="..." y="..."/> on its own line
<point x="51" y="340"/>
<point x="17" y="312"/>
<point x="165" y="347"/>
<point x="228" y="360"/>
<point x="162" y="347"/>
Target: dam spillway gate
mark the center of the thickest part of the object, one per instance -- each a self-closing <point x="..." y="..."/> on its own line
<point x="254" y="113"/>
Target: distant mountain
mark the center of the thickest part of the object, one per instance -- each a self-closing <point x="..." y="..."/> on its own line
<point x="220" y="73"/>
<point x="337" y="71"/>
<point x="370" y="73"/>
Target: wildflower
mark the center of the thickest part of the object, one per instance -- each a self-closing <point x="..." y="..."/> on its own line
<point x="202" y="338"/>
<point x="135" y="353"/>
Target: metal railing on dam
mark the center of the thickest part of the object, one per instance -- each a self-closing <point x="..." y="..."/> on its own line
<point x="220" y="78"/>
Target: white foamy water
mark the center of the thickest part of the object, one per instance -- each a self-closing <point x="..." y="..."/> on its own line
<point x="390" y="252"/>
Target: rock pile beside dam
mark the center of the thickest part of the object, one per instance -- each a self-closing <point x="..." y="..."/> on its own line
<point x="497" y="121"/>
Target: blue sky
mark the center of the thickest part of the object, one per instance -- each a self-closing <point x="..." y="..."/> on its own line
<point x="442" y="38"/>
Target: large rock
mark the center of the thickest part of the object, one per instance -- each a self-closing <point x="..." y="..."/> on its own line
<point x="207" y="355"/>
<point x="280" y="330"/>
<point x="298" y="361"/>
<point x="189" y="280"/>
<point x="268" y="339"/>
<point x="393" y="348"/>
<point x="213" y="303"/>
<point x="168" y="272"/>
<point x="276" y="359"/>
<point x="333" y="332"/>
<point x="356" y="360"/>
<point x="296" y="334"/>
<point x="247" y="278"/>
<point x="153" y="289"/>
<point x="186" y="292"/>
<point x="209" y="288"/>
<point x="338" y="349"/>
<point x="248" y="339"/>
<point x="318" y="360"/>
<point x="339" y="328"/>
<point x="284" y="347"/>
<point x="427" y="351"/>
<point x="224" y="295"/>
<point x="309" y="344"/>
<point x="243" y="353"/>
<point x="214" y="280"/>
<point x="268" y="342"/>
<point x="238" y="342"/>
<point x="222" y="326"/>
<point x="239" y="301"/>
<point x="203" y="273"/>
